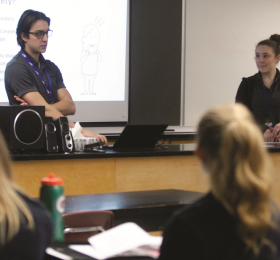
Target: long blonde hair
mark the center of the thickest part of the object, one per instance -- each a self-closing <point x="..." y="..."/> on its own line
<point x="13" y="210"/>
<point x="239" y="168"/>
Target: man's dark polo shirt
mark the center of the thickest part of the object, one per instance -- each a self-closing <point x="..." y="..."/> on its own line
<point x="20" y="78"/>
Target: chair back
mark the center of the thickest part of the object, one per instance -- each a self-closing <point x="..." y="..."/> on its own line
<point x="79" y="226"/>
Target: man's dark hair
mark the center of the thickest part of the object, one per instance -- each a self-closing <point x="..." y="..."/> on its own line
<point x="26" y="21"/>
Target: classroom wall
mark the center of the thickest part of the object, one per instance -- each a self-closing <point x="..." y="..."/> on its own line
<point x="220" y="39"/>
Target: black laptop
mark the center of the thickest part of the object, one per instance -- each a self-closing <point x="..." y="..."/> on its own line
<point x="139" y="136"/>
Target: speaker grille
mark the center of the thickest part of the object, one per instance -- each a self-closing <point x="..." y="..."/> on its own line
<point x="26" y="127"/>
<point x="65" y="128"/>
<point x="50" y="127"/>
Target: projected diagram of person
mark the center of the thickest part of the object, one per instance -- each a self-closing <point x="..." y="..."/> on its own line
<point x="90" y="57"/>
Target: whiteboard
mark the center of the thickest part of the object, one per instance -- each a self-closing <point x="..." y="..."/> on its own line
<point x="220" y="39"/>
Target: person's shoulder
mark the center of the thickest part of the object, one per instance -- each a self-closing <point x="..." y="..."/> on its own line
<point x="29" y="201"/>
<point x="51" y="65"/>
<point x="202" y="216"/>
<point x="249" y="83"/>
<point x="206" y="216"/>
<point x="251" y="78"/>
<point x="35" y="207"/>
<point x="16" y="63"/>
<point x="16" y="59"/>
<point x="207" y="205"/>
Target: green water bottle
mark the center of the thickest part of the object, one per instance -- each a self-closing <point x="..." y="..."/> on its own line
<point x="51" y="195"/>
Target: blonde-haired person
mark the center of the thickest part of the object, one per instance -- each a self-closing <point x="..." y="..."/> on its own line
<point x="25" y="227"/>
<point x="236" y="219"/>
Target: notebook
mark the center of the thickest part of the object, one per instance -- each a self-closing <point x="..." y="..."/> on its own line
<point x="139" y="136"/>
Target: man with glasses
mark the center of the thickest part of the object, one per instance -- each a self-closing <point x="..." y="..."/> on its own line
<point x="32" y="80"/>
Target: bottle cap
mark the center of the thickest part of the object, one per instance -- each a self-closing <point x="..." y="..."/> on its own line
<point x="52" y="180"/>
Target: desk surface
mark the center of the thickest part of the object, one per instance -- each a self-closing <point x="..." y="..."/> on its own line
<point x="120" y="201"/>
<point x="149" y="209"/>
<point x="164" y="150"/>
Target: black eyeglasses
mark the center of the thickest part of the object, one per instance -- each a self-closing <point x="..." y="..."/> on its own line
<point x="41" y="34"/>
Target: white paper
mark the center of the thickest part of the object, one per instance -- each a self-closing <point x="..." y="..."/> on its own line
<point x="79" y="139"/>
<point x="139" y="251"/>
<point x="52" y="252"/>
<point x="86" y="250"/>
<point x="76" y="131"/>
<point x="121" y="239"/>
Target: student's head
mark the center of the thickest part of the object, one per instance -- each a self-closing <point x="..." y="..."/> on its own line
<point x="224" y="124"/>
<point x="26" y="22"/>
<point x="231" y="148"/>
<point x="230" y="145"/>
<point x="268" y="54"/>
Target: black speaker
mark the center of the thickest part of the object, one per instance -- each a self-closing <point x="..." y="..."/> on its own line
<point x="51" y="135"/>
<point x="23" y="126"/>
<point x="64" y="135"/>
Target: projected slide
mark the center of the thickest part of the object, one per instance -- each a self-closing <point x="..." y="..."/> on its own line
<point x="88" y="44"/>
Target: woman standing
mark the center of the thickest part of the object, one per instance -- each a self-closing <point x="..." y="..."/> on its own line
<point x="261" y="92"/>
<point x="236" y="219"/>
<point x="25" y="227"/>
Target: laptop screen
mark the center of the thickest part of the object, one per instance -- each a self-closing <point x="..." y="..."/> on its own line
<point x="140" y="136"/>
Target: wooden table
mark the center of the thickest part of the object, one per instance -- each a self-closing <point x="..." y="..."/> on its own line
<point x="175" y="167"/>
<point x="113" y="171"/>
